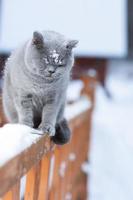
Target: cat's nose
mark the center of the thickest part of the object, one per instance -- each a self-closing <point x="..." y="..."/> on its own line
<point x="51" y="70"/>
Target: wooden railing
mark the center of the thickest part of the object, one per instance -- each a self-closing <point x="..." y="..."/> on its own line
<point x="52" y="172"/>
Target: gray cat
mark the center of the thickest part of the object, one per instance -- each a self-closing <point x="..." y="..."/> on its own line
<point x="36" y="77"/>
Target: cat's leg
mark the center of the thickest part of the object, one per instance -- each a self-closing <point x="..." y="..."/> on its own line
<point x="25" y="110"/>
<point x="49" y="116"/>
<point x="10" y="111"/>
<point x="63" y="133"/>
<point x="7" y="101"/>
<point x="60" y="115"/>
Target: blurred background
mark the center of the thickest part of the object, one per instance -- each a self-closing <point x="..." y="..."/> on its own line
<point x="105" y="33"/>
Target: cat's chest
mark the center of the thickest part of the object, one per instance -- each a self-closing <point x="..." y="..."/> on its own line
<point x="42" y="91"/>
<point x="43" y="95"/>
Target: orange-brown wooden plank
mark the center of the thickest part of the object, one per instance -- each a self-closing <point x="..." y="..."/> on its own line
<point x="62" y="170"/>
<point x="44" y="176"/>
<point x="57" y="188"/>
<point x="37" y="180"/>
<point x="13" y="194"/>
<point x="16" y="191"/>
<point x="32" y="182"/>
<point x="8" y="196"/>
<point x="53" y="193"/>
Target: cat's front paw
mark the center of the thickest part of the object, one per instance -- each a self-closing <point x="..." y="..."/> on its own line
<point x="47" y="129"/>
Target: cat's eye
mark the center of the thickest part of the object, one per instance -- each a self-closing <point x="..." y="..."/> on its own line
<point x="61" y="65"/>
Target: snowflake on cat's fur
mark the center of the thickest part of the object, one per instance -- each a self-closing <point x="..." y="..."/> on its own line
<point x="55" y="56"/>
<point x="46" y="60"/>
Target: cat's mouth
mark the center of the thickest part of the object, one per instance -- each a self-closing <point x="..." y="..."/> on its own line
<point x="49" y="76"/>
<point x="52" y="76"/>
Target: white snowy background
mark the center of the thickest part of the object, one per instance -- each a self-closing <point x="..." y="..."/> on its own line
<point x="111" y="157"/>
<point x="99" y="25"/>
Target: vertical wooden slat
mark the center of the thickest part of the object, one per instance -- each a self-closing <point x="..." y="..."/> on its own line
<point x="32" y="182"/>
<point x="44" y="175"/>
<point x="37" y="181"/>
<point x="16" y="191"/>
<point x="57" y="188"/>
<point x="53" y="193"/>
<point x="67" y="179"/>
<point x="75" y="148"/>
<point x="8" y="196"/>
<point x="13" y="194"/>
<point x="63" y="165"/>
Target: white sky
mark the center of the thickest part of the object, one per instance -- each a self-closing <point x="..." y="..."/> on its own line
<point x="99" y="25"/>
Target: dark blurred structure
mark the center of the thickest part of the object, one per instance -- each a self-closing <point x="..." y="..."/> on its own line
<point x="84" y="66"/>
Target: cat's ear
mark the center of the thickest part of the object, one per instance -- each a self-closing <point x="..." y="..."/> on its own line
<point x="38" y="40"/>
<point x="71" y="44"/>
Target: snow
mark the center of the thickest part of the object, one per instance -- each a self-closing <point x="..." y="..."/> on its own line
<point x="72" y="157"/>
<point x="55" y="56"/>
<point x="92" y="72"/>
<point x="74" y="90"/>
<point x="14" y="138"/>
<point x="51" y="171"/>
<point x="72" y="110"/>
<point x="62" y="169"/>
<point x="85" y="167"/>
<point x="46" y="60"/>
<point x="111" y="156"/>
<point x="68" y="196"/>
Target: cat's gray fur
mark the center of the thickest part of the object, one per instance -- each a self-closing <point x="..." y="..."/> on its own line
<point x="36" y="77"/>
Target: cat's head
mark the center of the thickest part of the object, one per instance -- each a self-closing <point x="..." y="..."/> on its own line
<point x="50" y="55"/>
